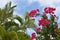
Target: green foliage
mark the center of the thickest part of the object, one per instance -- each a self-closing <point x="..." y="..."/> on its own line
<point x="19" y="19"/>
<point x="22" y="36"/>
<point x="9" y="29"/>
<point x="11" y="25"/>
<point x="2" y="32"/>
<point x="48" y="32"/>
<point x="6" y="12"/>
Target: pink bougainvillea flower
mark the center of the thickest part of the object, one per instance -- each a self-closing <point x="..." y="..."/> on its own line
<point x="38" y="29"/>
<point x="49" y="10"/>
<point x="43" y="22"/>
<point x="33" y="36"/>
<point x="33" y="13"/>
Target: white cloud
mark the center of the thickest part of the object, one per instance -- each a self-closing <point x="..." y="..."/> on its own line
<point x="48" y="2"/>
<point x="45" y="2"/>
<point x="57" y="10"/>
<point x="31" y="1"/>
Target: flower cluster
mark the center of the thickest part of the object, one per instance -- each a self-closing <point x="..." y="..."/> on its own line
<point x="43" y="22"/>
<point x="33" y="13"/>
<point x="49" y="10"/>
<point x="33" y="36"/>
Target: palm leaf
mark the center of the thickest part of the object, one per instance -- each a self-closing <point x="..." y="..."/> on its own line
<point x="10" y="25"/>
<point x="19" y="19"/>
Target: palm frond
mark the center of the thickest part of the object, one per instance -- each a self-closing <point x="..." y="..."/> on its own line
<point x="19" y="19"/>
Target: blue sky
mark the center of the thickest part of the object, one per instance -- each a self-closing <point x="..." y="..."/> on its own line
<point x="27" y="5"/>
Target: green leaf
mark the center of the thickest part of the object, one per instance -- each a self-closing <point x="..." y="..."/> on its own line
<point x="2" y="33"/>
<point x="23" y="36"/>
<point x="10" y="25"/>
<point x="13" y="35"/>
<point x="19" y="19"/>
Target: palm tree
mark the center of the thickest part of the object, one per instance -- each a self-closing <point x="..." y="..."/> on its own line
<point x="6" y="12"/>
<point x="9" y="29"/>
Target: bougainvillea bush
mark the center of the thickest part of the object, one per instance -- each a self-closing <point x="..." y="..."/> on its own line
<point x="49" y="30"/>
<point x="10" y="30"/>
